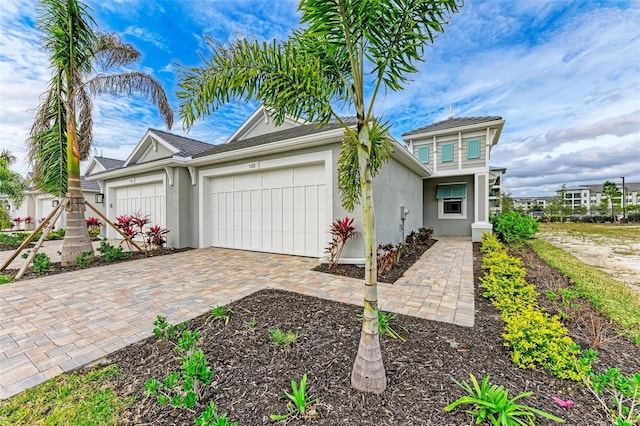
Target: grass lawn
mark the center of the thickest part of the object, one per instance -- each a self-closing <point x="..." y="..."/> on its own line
<point x="594" y="231"/>
<point x="611" y="297"/>
<point x="69" y="399"/>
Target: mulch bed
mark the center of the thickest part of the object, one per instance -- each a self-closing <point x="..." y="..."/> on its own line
<point x="390" y="276"/>
<point x="251" y="374"/>
<point x="97" y="261"/>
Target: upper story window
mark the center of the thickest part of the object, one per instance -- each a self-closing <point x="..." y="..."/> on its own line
<point x="473" y="149"/>
<point x="447" y="152"/>
<point x="423" y="154"/>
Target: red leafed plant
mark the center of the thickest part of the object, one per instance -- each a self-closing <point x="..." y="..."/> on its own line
<point x="94" y="224"/>
<point x="124" y="221"/>
<point x="27" y="220"/>
<point x="155" y="236"/>
<point x="139" y="225"/>
<point x="342" y="230"/>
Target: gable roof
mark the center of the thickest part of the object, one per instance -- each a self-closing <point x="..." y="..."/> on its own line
<point x="109" y="163"/>
<point x="261" y="116"/>
<point x="296" y="132"/>
<point x="186" y="147"/>
<point x="452" y="123"/>
<point x="174" y="145"/>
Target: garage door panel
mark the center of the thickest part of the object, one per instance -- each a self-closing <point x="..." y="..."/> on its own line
<point x="264" y="211"/>
<point x="246" y="181"/>
<point x="277" y="178"/>
<point x="221" y="184"/>
<point x="144" y="199"/>
<point x="307" y="175"/>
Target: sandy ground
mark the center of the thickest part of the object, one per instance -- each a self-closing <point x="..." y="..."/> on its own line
<point x="615" y="256"/>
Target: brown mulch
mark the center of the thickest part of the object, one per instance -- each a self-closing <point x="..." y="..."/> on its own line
<point x="390" y="276"/>
<point x="97" y="261"/>
<point x="251" y="374"/>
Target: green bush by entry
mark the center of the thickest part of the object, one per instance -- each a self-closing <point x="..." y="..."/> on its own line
<point x="512" y="227"/>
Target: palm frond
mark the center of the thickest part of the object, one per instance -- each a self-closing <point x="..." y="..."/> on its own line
<point x="47" y="142"/>
<point x="287" y="78"/>
<point x="349" y="171"/>
<point x="68" y="34"/>
<point x="7" y="157"/>
<point x="84" y="114"/>
<point x="12" y="184"/>
<point x="110" y="51"/>
<point x="133" y="82"/>
<point x="379" y="149"/>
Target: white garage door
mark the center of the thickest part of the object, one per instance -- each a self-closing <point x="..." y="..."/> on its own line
<point x="145" y="199"/>
<point x="279" y="211"/>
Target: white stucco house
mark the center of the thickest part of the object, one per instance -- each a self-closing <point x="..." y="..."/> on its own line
<point x="275" y="189"/>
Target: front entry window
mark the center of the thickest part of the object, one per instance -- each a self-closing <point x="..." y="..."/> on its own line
<point x="452" y="206"/>
<point x="452" y="201"/>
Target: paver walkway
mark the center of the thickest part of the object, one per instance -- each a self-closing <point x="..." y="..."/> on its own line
<point x="54" y="324"/>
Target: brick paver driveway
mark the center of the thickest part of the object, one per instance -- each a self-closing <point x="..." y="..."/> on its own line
<point x="54" y="324"/>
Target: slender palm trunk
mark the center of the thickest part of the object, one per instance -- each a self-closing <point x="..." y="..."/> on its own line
<point x="76" y="238"/>
<point x="368" y="373"/>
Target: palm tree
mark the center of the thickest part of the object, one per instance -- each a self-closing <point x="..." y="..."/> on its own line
<point x="61" y="135"/>
<point x="318" y="68"/>
<point x="12" y="184"/>
<point x="610" y="189"/>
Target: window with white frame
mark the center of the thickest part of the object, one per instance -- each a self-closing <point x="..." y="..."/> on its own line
<point x="452" y="201"/>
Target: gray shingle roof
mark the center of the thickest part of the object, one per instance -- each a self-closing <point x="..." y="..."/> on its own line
<point x="451" y="123"/>
<point x="109" y="163"/>
<point x="188" y="147"/>
<point x="88" y="185"/>
<point x="296" y="132"/>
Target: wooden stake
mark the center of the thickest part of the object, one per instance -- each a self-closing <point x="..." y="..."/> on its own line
<point x="45" y="233"/>
<point x="29" y="238"/>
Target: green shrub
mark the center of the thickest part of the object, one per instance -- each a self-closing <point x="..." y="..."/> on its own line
<point x="5" y="279"/>
<point x="536" y="338"/>
<point x="10" y="239"/>
<point x="112" y="253"/>
<point x="512" y="227"/>
<point x="84" y="259"/>
<point x="56" y="234"/>
<point x="492" y="403"/>
<point x="489" y="243"/>
<point x="41" y="263"/>
<point x="5" y="219"/>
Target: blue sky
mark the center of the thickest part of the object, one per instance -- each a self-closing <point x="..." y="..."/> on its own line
<point x="565" y="76"/>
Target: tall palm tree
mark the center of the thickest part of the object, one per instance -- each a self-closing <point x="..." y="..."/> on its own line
<point x="61" y="135"/>
<point x="347" y="52"/>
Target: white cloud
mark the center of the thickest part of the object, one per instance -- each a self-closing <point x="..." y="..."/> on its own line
<point x="565" y="76"/>
<point x="145" y="34"/>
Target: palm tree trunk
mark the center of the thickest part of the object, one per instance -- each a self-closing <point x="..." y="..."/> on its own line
<point x="368" y="373"/>
<point x="76" y="238"/>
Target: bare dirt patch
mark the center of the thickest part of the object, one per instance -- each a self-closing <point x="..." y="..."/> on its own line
<point x="618" y="256"/>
